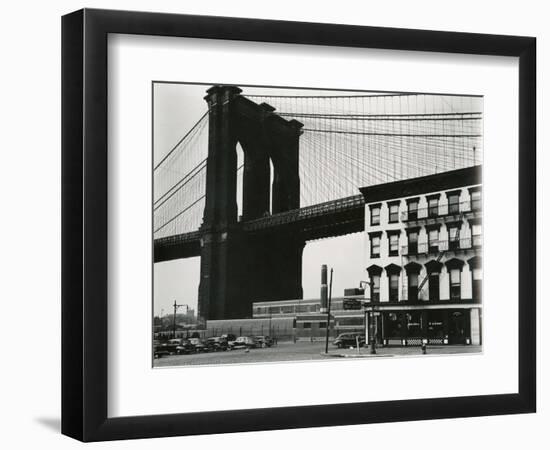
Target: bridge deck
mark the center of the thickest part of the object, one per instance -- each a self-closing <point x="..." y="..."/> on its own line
<point x="329" y="219"/>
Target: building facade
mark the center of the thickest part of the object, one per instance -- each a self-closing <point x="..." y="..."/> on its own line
<point x="423" y="241"/>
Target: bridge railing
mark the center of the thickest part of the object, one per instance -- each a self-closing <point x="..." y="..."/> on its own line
<point x="179" y="238"/>
<point x="306" y="212"/>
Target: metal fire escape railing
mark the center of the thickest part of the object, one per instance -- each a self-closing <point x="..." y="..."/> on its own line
<point x="440" y="210"/>
<point x="440" y="255"/>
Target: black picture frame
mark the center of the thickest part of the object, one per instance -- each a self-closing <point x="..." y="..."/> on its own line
<point x="84" y="224"/>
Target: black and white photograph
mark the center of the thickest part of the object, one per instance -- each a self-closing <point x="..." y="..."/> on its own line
<point x="295" y="225"/>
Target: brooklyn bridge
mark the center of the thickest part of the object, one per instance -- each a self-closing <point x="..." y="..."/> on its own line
<point x="294" y="164"/>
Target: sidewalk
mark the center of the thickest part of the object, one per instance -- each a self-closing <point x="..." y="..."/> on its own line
<point x="364" y="352"/>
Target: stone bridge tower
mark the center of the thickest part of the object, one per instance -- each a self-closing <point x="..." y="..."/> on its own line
<point x="238" y="268"/>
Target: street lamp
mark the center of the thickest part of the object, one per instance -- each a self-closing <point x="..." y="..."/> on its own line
<point x="176" y="306"/>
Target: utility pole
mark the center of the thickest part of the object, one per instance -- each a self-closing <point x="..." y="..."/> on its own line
<point x="328" y="310"/>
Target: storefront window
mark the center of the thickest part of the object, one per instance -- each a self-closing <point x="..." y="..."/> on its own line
<point x="414" y="324"/>
<point x="392" y="326"/>
<point x="436" y="325"/>
<point x="459" y="327"/>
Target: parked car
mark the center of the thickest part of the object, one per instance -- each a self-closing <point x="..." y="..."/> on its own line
<point x="263" y="341"/>
<point x="159" y="349"/>
<point x="199" y="345"/>
<point x="216" y="344"/>
<point x="349" y="340"/>
<point x="171" y="345"/>
<point x="230" y="338"/>
<point x="185" y="348"/>
<point x="244" y="342"/>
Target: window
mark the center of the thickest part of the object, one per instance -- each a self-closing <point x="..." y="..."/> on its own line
<point x="476" y="235"/>
<point x="412" y="209"/>
<point x="394" y="287"/>
<point x="307" y="324"/>
<point x="454" y="235"/>
<point x="433" y="240"/>
<point x="413" y="287"/>
<point x="455" y="284"/>
<point x="454" y="203"/>
<point x="375" y="247"/>
<point x="394" y="212"/>
<point x="375" y="215"/>
<point x="322" y="325"/>
<point x="433" y="207"/>
<point x="375" y="288"/>
<point x="433" y="286"/>
<point x="475" y="198"/>
<point x="476" y="283"/>
<point x="394" y="244"/>
<point x="413" y="243"/>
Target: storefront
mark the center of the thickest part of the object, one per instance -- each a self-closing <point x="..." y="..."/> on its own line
<point x="452" y="326"/>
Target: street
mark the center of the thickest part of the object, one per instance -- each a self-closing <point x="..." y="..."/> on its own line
<point x="302" y="351"/>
